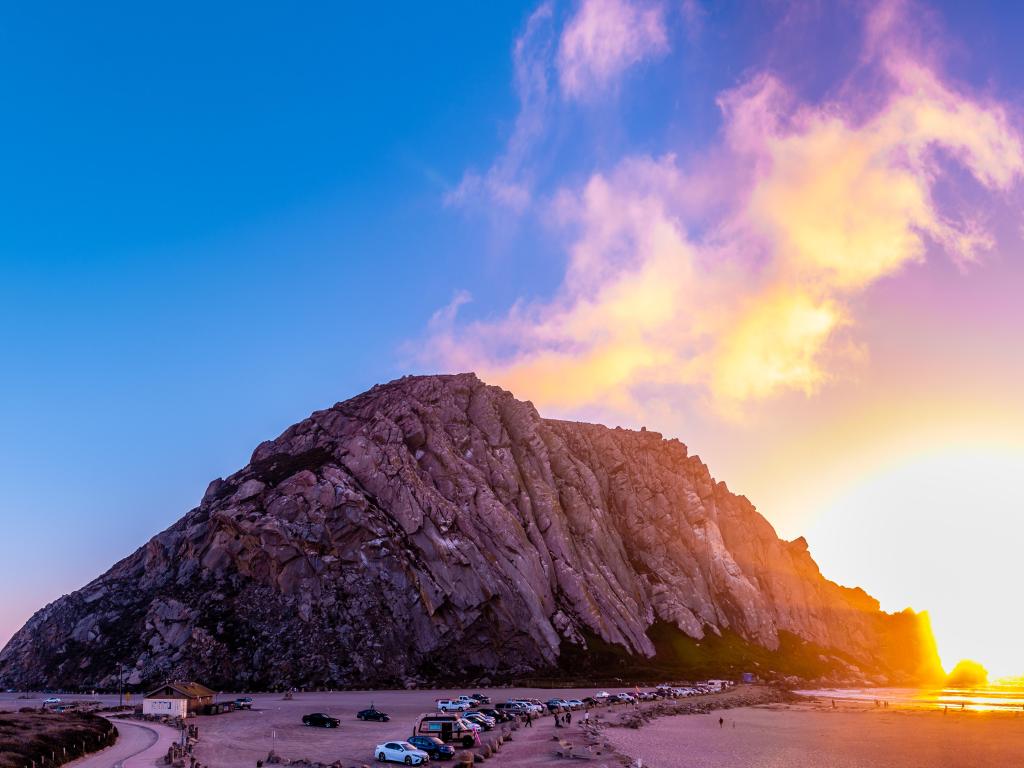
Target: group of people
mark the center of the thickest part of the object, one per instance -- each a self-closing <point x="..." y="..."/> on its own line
<point x="561" y="720"/>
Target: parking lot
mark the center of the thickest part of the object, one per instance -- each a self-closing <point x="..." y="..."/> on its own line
<point x="274" y="723"/>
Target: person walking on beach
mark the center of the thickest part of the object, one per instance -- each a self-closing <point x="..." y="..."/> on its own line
<point x="721" y="722"/>
<point x="529" y="720"/>
<point x="586" y="717"/>
<point x="568" y="718"/>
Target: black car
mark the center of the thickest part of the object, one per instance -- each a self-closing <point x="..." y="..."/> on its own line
<point x="500" y="716"/>
<point x="480" y="698"/>
<point x="475" y="717"/>
<point x="433" y="746"/>
<point x="373" y="714"/>
<point x="320" y="720"/>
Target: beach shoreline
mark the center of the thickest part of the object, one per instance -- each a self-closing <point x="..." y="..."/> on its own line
<point x="800" y="734"/>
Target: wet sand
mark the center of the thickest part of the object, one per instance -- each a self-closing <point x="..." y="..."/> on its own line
<point x="780" y="736"/>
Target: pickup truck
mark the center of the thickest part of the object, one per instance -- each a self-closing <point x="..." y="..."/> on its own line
<point x="452" y="705"/>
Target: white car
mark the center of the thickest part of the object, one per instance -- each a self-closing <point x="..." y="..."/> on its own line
<point x="602" y="695"/>
<point x="401" y="752"/>
<point x="51" y="700"/>
<point x="575" y="703"/>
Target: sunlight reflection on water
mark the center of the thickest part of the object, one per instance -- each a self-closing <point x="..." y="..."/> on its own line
<point x="993" y="698"/>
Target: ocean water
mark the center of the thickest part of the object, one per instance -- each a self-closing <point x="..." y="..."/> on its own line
<point x="991" y="698"/>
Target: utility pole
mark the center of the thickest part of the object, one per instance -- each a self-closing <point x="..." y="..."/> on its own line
<point x="120" y="684"/>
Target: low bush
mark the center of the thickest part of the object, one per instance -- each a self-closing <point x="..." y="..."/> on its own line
<point x="47" y="739"/>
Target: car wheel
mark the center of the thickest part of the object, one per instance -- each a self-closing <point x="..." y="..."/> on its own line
<point x="381" y="757"/>
<point x="408" y="760"/>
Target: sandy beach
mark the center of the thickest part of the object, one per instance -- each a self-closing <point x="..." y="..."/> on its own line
<point x="780" y="736"/>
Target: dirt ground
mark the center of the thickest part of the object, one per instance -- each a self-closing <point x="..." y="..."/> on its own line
<point x="773" y="736"/>
<point x="238" y="739"/>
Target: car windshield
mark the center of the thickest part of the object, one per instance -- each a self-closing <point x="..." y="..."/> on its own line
<point x="408" y="746"/>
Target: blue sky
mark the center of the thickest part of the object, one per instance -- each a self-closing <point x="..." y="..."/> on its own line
<point x="214" y="221"/>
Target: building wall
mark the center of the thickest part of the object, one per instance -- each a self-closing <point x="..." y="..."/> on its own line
<point x="165" y="707"/>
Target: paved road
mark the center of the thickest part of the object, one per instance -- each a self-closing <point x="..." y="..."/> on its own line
<point x="138" y="745"/>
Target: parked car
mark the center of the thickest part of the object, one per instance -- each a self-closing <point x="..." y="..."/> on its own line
<point x="502" y="716"/>
<point x="401" y="752"/>
<point x="452" y="705"/>
<point x="530" y="705"/>
<point x="51" y="700"/>
<point x="574" y="704"/>
<point x="515" y="707"/>
<point x="373" y="714"/>
<point x="320" y="720"/>
<point x="243" y="702"/>
<point x="482" y="720"/>
<point x="433" y="746"/>
<point x="590" y="701"/>
<point x="480" y="698"/>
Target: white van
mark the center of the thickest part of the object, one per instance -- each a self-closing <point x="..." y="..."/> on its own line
<point x="447" y="728"/>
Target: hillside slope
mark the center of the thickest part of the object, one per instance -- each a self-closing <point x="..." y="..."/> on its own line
<point x="438" y="528"/>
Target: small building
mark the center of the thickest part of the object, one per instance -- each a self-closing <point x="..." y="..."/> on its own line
<point x="178" y="699"/>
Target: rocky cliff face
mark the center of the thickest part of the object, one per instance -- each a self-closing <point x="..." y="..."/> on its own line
<point x="436" y="527"/>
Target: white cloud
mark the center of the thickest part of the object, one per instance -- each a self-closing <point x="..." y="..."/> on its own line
<point x="603" y="39"/>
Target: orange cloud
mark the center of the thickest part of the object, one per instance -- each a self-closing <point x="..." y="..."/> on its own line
<point x="732" y="275"/>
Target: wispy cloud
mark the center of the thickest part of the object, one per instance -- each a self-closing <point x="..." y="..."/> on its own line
<point x="506" y="183"/>
<point x="598" y="43"/>
<point x="606" y="37"/>
<point x="731" y="275"/>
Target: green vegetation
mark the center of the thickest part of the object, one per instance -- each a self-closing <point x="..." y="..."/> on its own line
<point x="44" y="739"/>
<point x="678" y="656"/>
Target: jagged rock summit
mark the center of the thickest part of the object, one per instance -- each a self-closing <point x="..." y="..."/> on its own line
<point x="437" y="528"/>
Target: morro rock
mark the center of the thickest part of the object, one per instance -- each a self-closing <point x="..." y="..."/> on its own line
<point x="437" y="528"/>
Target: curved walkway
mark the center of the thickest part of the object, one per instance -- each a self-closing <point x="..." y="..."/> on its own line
<point x="138" y="745"/>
